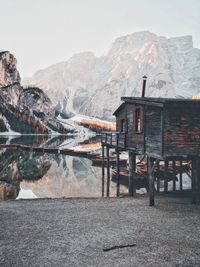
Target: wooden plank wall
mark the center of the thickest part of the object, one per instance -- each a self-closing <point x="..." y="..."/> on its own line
<point x="153" y="131"/>
<point x="120" y="116"/>
<point x="182" y="131"/>
<point x="134" y="140"/>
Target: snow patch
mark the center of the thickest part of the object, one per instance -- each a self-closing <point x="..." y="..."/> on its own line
<point x="10" y="131"/>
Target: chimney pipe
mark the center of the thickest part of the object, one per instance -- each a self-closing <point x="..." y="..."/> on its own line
<point x="144" y="85"/>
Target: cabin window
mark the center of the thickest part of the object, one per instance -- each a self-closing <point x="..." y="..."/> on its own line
<point x="123" y="126"/>
<point x="138" y="120"/>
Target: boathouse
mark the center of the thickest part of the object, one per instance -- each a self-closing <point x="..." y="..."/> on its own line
<point x="164" y="130"/>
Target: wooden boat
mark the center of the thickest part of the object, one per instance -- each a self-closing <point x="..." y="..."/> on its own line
<point x="8" y="145"/>
<point x="26" y="148"/>
<point x="51" y="150"/>
<point x="141" y="180"/>
<point x="97" y="161"/>
<point x="74" y="153"/>
<point x="38" y="149"/>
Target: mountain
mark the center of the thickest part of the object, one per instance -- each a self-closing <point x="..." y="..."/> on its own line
<point x="92" y="86"/>
<point x="8" y="69"/>
<point x="24" y="110"/>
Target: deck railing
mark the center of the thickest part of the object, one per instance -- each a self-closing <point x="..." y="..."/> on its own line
<point x="114" y="139"/>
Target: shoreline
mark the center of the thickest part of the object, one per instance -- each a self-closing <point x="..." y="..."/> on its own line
<point x="100" y="232"/>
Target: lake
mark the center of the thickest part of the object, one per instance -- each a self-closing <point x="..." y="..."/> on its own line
<point x="31" y="174"/>
<point x="26" y="172"/>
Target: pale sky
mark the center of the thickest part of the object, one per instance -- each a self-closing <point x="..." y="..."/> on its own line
<point x="43" y="32"/>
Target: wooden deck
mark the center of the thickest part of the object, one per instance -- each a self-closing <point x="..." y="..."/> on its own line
<point x="114" y="140"/>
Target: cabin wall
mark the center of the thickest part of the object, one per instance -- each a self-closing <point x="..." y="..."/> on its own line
<point x="182" y="130"/>
<point x="120" y="116"/>
<point x="153" y="131"/>
<point x="134" y="139"/>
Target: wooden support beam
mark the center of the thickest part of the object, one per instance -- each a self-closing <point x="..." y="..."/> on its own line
<point x="108" y="172"/>
<point x="117" y="163"/>
<point x="166" y="176"/>
<point x="188" y="174"/>
<point x="132" y="169"/>
<point x="103" y="170"/>
<point x="158" y="178"/>
<point x="151" y="168"/>
<point x="198" y="180"/>
<point x="181" y="175"/>
<point x="195" y="181"/>
<point x="174" y="173"/>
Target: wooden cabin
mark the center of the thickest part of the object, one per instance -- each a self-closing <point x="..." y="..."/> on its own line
<point x="160" y="128"/>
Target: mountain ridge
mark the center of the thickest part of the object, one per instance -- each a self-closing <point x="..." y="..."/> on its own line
<point x="24" y="110"/>
<point x="93" y="86"/>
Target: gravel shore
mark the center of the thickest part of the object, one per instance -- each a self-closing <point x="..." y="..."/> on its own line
<point x="100" y="232"/>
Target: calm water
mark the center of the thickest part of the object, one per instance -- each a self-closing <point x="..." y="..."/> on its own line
<point x="25" y="174"/>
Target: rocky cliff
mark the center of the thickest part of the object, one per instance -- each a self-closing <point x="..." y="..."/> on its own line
<point x="24" y="110"/>
<point x="93" y="86"/>
<point x="8" y="69"/>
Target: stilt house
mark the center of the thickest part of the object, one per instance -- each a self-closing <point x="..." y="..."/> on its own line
<point x="160" y="128"/>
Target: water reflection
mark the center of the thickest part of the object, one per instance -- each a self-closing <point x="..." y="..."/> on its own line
<point x="48" y="140"/>
<point x="25" y="174"/>
<point x="67" y="177"/>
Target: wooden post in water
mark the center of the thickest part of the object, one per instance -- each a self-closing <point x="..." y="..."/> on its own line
<point x="132" y="169"/>
<point x="108" y="172"/>
<point x="193" y="182"/>
<point x="103" y="170"/>
<point x="198" y="180"/>
<point x="158" y="177"/>
<point x="174" y="173"/>
<point x="181" y="175"/>
<point x="151" y="167"/>
<point x="118" y="174"/>
<point x="166" y="176"/>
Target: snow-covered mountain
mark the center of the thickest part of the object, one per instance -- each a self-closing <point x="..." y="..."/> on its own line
<point x="93" y="85"/>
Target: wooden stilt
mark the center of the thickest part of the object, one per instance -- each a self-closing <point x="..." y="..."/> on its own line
<point x="181" y="175"/>
<point x="132" y="169"/>
<point x="174" y="173"/>
<point x="4" y="194"/>
<point x="158" y="178"/>
<point x="198" y="180"/>
<point x="108" y="172"/>
<point x="14" y="193"/>
<point x="195" y="180"/>
<point x="117" y="163"/>
<point x="166" y="176"/>
<point x="151" y="167"/>
<point x="103" y="171"/>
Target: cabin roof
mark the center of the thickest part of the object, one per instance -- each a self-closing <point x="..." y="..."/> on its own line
<point x="157" y="102"/>
<point x="119" y="108"/>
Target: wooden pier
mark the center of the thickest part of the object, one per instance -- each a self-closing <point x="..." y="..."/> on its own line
<point x="64" y="151"/>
